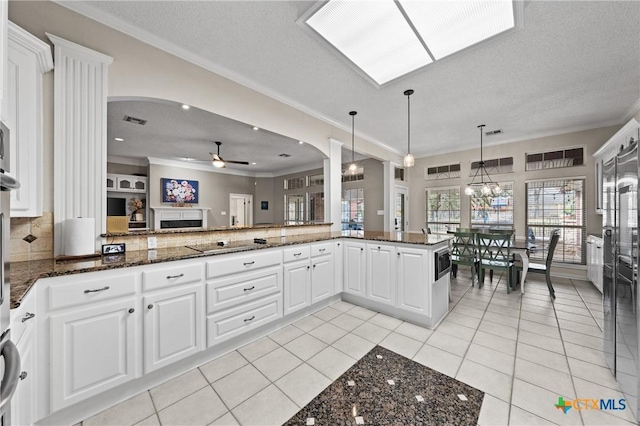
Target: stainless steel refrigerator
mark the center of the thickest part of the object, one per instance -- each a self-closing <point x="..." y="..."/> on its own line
<point x="9" y="356"/>
<point x="620" y="272"/>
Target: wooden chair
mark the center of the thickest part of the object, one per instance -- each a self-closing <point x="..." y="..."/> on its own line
<point x="494" y="253"/>
<point x="545" y="268"/>
<point x="464" y="252"/>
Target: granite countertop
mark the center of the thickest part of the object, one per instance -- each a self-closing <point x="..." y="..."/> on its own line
<point x="210" y="229"/>
<point x="25" y="274"/>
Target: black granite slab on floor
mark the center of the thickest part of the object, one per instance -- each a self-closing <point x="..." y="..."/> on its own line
<point x="384" y="388"/>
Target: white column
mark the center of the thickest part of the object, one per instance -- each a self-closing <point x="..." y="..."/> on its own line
<point x="333" y="185"/>
<point x="388" y="187"/>
<point x="80" y="136"/>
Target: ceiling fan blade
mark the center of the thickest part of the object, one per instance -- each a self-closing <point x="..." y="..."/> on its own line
<point x="246" y="163"/>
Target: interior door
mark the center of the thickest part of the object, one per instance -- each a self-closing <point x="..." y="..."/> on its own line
<point x="400" y="221"/>
<point x="240" y="210"/>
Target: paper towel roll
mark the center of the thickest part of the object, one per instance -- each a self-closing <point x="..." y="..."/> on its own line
<point x="79" y="236"/>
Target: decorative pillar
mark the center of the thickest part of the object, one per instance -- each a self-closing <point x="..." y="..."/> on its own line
<point x="332" y="168"/>
<point x="388" y="188"/>
<point x="80" y="136"/>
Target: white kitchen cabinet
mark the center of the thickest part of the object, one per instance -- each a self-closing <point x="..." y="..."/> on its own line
<point x="621" y="139"/>
<point x="338" y="266"/>
<point x="28" y="59"/>
<point x="173" y="325"/>
<point x="322" y="274"/>
<point x="354" y="268"/>
<point x="126" y="183"/>
<point x="413" y="280"/>
<point x="24" y="399"/>
<point x="381" y="273"/>
<point x="297" y="286"/>
<point x="92" y="350"/>
<point x="595" y="261"/>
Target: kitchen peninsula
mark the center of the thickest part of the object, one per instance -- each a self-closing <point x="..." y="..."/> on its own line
<point x="140" y="319"/>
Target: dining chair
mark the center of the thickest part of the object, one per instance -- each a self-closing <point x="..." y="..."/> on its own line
<point x="494" y="253"/>
<point x="464" y="252"/>
<point x="504" y="231"/>
<point x="545" y="268"/>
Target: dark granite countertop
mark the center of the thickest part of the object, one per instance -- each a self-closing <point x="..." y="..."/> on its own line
<point x="25" y="274"/>
<point x="210" y="229"/>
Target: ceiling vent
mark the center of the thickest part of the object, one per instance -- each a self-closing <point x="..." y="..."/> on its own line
<point x="493" y="132"/>
<point x="284" y="155"/>
<point x="135" y="120"/>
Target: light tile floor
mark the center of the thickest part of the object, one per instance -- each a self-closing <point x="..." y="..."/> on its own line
<point x="522" y="351"/>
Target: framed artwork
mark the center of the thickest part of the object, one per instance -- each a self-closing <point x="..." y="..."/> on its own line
<point x="264" y="205"/>
<point x="179" y="191"/>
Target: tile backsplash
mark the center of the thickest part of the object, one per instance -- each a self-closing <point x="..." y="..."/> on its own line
<point x="32" y="238"/>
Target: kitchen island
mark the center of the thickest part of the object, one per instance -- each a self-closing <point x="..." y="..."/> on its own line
<point x="109" y="328"/>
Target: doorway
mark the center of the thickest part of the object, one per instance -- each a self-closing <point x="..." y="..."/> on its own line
<point x="401" y="220"/>
<point x="240" y="210"/>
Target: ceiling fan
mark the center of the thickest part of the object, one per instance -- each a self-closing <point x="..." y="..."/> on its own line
<point x="219" y="162"/>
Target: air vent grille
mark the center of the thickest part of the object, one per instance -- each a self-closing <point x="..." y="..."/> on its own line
<point x="493" y="132"/>
<point x="284" y="155"/>
<point x="135" y="120"/>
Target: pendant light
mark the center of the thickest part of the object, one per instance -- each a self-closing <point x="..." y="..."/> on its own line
<point x="353" y="167"/>
<point x="486" y="187"/>
<point x="409" y="160"/>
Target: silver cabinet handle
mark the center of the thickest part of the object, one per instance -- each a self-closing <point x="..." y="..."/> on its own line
<point x="250" y="288"/>
<point x="297" y="254"/>
<point x="248" y="263"/>
<point x="170" y="277"/>
<point x="361" y="249"/>
<point x="11" y="372"/>
<point x="97" y="290"/>
<point x="23" y="375"/>
<point x="322" y="250"/>
<point x="28" y="316"/>
<point x="338" y="244"/>
<point x="308" y="267"/>
<point x="150" y="306"/>
<point x="314" y="266"/>
<point x="598" y="246"/>
<point x="249" y="319"/>
<point x="131" y="310"/>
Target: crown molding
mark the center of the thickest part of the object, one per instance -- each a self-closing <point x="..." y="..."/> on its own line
<point x="130" y="161"/>
<point x="39" y="48"/>
<point x="144" y="36"/>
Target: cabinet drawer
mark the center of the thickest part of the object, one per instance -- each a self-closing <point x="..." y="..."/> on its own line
<point x="234" y="263"/>
<point x="91" y="290"/>
<point x="296" y="253"/>
<point x="242" y="288"/>
<point x="233" y="322"/>
<point x="170" y="276"/>
<point x="321" y="249"/>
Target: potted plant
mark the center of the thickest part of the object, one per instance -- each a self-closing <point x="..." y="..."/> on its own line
<point x="136" y="206"/>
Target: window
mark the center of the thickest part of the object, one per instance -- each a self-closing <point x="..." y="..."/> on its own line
<point x="555" y="159"/>
<point x="353" y="209"/>
<point x="348" y="177"/>
<point x="294" y="207"/>
<point x="316" y="207"/>
<point x="443" y="209"/>
<point x="557" y="204"/>
<point x="443" y="172"/>
<point x="493" y="210"/>
<point x="398" y="173"/>
<point x="295" y="183"/>
<point x="494" y="166"/>
<point x="316" y="180"/>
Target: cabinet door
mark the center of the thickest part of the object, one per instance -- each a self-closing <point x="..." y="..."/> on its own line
<point x="413" y="283"/>
<point x="354" y="268"/>
<point x="173" y="326"/>
<point x="338" y="266"/>
<point x="111" y="182"/>
<point x="297" y="286"/>
<point x="125" y="183"/>
<point x="590" y="260"/>
<point x="92" y="350"/>
<point x="381" y="273"/>
<point x="598" y="264"/>
<point x="322" y="273"/>
<point x="140" y="184"/>
<point x="24" y="400"/>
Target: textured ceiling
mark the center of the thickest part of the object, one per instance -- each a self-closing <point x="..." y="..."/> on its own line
<point x="572" y="65"/>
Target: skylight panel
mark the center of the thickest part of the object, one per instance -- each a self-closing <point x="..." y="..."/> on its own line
<point x="373" y="35"/>
<point x="449" y="26"/>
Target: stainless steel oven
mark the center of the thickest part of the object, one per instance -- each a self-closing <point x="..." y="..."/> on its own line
<point x="442" y="262"/>
<point x="9" y="356"/>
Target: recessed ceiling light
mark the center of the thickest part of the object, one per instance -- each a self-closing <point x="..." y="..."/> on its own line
<point x="256" y="128"/>
<point x="253" y="164"/>
<point x="118" y="139"/>
<point x="300" y="142"/>
<point x="185" y="106"/>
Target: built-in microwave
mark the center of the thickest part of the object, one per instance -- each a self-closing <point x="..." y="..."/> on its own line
<point x="442" y="262"/>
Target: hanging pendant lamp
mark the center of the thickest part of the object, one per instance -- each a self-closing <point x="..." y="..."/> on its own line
<point x="409" y="160"/>
<point x="353" y="167"/>
<point x="484" y="186"/>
